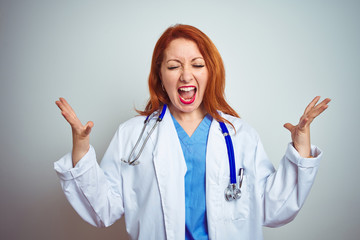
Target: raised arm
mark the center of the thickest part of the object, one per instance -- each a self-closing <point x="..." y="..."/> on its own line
<point x="80" y="133"/>
<point x="94" y="193"/>
<point x="300" y="133"/>
<point x="286" y="189"/>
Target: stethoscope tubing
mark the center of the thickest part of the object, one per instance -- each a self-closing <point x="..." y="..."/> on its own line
<point x="159" y="119"/>
<point x="230" y="151"/>
<point x="232" y="192"/>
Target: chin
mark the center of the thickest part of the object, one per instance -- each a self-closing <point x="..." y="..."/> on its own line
<point x="187" y="108"/>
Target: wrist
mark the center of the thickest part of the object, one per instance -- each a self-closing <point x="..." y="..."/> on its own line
<point x="304" y="151"/>
<point x="80" y="148"/>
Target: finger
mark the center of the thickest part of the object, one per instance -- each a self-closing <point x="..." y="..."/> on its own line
<point x="311" y="104"/>
<point x="67" y="106"/>
<point x="307" y="119"/>
<point x="69" y="115"/>
<point x="63" y="107"/>
<point x="316" y="112"/>
<point x="318" y="109"/>
<point x="89" y="125"/>
<point x="289" y="126"/>
<point x="304" y="121"/>
<point x="60" y="105"/>
<point x="74" y="122"/>
<point x="323" y="103"/>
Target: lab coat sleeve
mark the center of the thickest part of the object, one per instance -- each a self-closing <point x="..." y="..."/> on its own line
<point x="93" y="192"/>
<point x="285" y="190"/>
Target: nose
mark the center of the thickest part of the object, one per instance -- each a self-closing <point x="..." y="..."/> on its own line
<point x="186" y="75"/>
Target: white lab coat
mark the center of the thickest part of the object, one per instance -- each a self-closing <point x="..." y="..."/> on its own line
<point x="151" y="194"/>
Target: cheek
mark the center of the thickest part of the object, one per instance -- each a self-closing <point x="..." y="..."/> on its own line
<point x="203" y="81"/>
<point x="169" y="79"/>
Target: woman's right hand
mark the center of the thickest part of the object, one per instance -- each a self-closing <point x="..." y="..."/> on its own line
<point x="80" y="133"/>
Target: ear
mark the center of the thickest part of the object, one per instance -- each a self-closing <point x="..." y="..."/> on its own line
<point x="161" y="83"/>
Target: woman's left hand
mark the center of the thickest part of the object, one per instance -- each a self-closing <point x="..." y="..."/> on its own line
<point x="300" y="133"/>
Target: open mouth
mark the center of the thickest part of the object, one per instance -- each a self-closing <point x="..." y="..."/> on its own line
<point x="187" y="94"/>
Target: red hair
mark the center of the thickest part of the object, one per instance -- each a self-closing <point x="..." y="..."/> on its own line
<point x="214" y="96"/>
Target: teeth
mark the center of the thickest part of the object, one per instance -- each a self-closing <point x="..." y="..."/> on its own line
<point x="187" y="89"/>
<point x="186" y="100"/>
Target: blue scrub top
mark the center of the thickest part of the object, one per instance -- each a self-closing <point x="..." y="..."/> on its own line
<point x="194" y="149"/>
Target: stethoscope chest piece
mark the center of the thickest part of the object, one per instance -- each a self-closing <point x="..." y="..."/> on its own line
<point x="232" y="192"/>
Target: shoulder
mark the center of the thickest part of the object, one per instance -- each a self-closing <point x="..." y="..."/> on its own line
<point x="241" y="128"/>
<point x="133" y="122"/>
<point x="131" y="125"/>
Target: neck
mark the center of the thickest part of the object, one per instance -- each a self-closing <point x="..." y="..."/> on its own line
<point x="189" y="121"/>
<point x="188" y="116"/>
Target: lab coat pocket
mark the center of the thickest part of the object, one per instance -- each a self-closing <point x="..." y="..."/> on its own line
<point x="235" y="209"/>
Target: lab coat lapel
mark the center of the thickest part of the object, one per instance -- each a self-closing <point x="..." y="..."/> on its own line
<point x="170" y="168"/>
<point x="217" y="160"/>
<point x="216" y="153"/>
<point x="216" y="166"/>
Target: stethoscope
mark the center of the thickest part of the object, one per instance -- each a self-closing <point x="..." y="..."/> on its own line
<point x="232" y="191"/>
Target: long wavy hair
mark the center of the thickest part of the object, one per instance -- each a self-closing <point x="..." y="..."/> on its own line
<point x="214" y="96"/>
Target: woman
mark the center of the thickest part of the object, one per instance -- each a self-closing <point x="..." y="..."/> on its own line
<point x="174" y="187"/>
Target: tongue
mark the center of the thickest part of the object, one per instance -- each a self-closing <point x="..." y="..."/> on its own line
<point x="187" y="94"/>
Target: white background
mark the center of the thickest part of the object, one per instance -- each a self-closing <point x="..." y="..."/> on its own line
<point x="97" y="54"/>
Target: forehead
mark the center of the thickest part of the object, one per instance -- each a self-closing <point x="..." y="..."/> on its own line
<point x="181" y="48"/>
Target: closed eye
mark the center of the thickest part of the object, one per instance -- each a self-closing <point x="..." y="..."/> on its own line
<point x="198" y="65"/>
<point x="171" y="68"/>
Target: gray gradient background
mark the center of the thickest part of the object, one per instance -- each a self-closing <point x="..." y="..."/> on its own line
<point x="278" y="56"/>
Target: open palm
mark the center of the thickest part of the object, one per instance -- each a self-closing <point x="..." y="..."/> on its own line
<point x="300" y="133"/>
<point x="80" y="132"/>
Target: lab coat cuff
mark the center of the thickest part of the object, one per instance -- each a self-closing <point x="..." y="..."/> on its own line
<point x="293" y="156"/>
<point x="66" y="171"/>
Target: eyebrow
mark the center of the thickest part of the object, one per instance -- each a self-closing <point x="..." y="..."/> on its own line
<point x="176" y="60"/>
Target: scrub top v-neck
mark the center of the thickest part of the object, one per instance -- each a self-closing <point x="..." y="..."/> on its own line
<point x="194" y="150"/>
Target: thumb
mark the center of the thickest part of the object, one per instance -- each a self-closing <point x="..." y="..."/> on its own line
<point x="289" y="126"/>
<point x="88" y="127"/>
